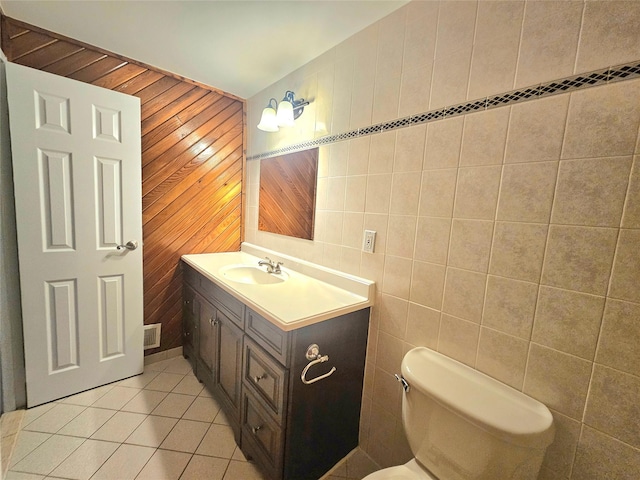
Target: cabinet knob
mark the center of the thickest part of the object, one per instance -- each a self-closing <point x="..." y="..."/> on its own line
<point x="257" y="379"/>
<point x="187" y="302"/>
<point x="255" y="430"/>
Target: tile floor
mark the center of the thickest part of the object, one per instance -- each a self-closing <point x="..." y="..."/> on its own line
<point x="159" y="425"/>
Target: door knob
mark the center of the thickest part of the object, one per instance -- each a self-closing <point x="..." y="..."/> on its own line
<point x="130" y="245"/>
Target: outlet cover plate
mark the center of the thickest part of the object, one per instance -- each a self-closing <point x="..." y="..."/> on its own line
<point x="369" y="242"/>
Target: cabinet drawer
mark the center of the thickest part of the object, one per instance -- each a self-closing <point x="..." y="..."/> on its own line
<point x="261" y="436"/>
<point x="268" y="336"/>
<point x="265" y="377"/>
<point x="231" y="306"/>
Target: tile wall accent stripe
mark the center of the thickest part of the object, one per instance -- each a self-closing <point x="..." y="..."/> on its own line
<point x="569" y="84"/>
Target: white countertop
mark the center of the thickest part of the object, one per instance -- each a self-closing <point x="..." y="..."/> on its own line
<point x="310" y="294"/>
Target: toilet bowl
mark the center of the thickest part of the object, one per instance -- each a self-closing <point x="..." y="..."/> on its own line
<point x="409" y="471"/>
<point x="464" y="425"/>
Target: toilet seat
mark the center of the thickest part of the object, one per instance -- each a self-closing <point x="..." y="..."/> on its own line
<point x="409" y="471"/>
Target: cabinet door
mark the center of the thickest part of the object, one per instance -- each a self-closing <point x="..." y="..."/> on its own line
<point x="190" y="314"/>
<point x="227" y="378"/>
<point x="206" y="330"/>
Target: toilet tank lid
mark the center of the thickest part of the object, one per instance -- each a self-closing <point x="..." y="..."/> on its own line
<point x="491" y="405"/>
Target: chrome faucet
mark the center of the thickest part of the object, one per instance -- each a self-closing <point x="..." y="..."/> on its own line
<point x="271" y="266"/>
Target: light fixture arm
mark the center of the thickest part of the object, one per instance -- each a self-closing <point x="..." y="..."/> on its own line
<point x="273" y="103"/>
<point x="298" y="105"/>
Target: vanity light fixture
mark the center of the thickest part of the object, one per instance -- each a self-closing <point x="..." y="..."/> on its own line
<point x="268" y="121"/>
<point x="283" y="114"/>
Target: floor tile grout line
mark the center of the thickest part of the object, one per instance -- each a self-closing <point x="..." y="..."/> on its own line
<point x="193" y="454"/>
<point x="178" y="420"/>
<point x="146" y="417"/>
<point x="99" y="467"/>
<point x="57" y="464"/>
<point x="119" y="444"/>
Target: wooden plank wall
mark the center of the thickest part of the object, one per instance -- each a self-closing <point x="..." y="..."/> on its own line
<point x="192" y="159"/>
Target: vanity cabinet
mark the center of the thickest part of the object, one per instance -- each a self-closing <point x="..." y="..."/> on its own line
<point x="292" y="430"/>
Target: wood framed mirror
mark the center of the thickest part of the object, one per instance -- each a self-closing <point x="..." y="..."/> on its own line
<point x="288" y="194"/>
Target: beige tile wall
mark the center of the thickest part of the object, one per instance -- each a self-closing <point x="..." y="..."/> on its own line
<point x="508" y="239"/>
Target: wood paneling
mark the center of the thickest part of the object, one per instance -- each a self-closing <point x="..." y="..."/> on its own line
<point x="192" y="159"/>
<point x="287" y="194"/>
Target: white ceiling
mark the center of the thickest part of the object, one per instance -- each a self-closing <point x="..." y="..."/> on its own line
<point x="238" y="46"/>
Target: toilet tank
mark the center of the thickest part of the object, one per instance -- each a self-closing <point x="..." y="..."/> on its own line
<point x="463" y="425"/>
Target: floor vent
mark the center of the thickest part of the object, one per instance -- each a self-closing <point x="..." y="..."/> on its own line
<point x="152" y="336"/>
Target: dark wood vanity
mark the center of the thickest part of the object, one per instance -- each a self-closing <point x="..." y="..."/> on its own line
<point x="292" y="430"/>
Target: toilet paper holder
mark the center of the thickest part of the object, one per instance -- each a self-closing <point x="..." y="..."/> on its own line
<point x="313" y="354"/>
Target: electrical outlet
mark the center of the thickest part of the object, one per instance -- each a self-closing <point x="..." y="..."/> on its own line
<point x="369" y="242"/>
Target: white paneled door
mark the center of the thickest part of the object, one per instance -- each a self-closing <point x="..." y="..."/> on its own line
<point x="77" y="177"/>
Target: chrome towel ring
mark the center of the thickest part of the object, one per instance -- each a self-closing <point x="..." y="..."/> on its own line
<point x="313" y="354"/>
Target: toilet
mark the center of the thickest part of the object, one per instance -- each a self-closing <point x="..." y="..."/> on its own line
<point x="464" y="425"/>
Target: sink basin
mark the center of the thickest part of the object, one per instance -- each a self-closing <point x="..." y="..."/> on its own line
<point x="251" y="275"/>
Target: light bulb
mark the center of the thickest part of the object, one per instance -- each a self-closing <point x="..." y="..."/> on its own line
<point x="285" y="114"/>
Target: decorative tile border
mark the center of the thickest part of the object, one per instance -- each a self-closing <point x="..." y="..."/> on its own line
<point x="599" y="77"/>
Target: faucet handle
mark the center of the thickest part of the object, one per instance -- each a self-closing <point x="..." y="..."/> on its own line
<point x="277" y="267"/>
